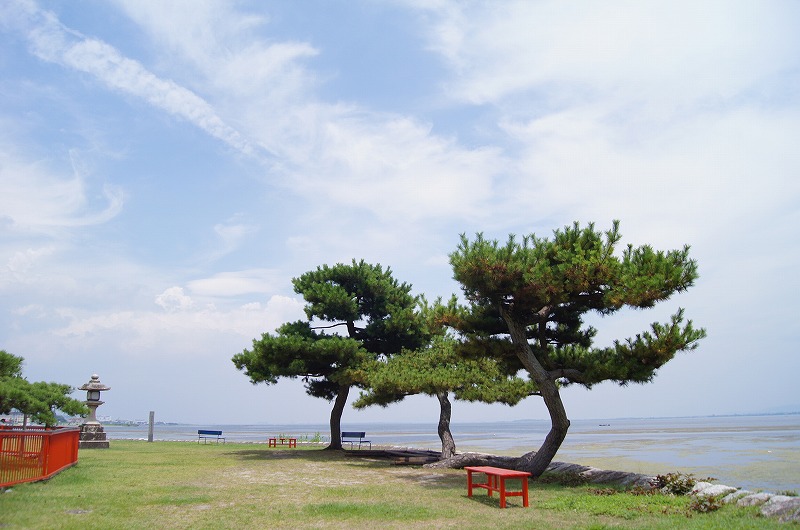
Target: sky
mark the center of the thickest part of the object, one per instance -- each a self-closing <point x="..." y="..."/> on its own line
<point x="167" y="168"/>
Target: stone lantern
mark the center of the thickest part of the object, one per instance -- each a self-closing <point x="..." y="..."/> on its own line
<point x="92" y="433"/>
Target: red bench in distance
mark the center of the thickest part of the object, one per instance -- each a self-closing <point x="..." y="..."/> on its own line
<point x="273" y="442"/>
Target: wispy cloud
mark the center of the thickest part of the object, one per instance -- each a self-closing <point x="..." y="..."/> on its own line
<point x="224" y="46"/>
<point x="37" y="198"/>
<point x="51" y="41"/>
<point x="357" y="159"/>
<point x="231" y="235"/>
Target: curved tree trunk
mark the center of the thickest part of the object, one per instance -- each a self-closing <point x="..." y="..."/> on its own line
<point x="336" y="417"/>
<point x="445" y="410"/>
<point x="536" y="462"/>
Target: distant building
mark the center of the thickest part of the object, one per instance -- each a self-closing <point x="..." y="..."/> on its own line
<point x="14" y="418"/>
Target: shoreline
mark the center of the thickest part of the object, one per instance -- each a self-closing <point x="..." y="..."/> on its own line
<point x="745" y="451"/>
<point x="759" y="477"/>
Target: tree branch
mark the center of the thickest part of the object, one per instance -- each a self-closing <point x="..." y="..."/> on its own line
<point x="567" y="373"/>
<point x="328" y="327"/>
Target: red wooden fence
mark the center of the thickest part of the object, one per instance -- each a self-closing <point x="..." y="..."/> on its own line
<point x="36" y="453"/>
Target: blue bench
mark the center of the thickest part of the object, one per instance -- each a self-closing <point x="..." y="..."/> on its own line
<point x="205" y="435"/>
<point x="352" y="438"/>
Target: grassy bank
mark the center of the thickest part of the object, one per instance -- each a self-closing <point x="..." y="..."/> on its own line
<point x="186" y="485"/>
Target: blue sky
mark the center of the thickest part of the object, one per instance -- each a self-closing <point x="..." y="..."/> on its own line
<point x="166" y="168"/>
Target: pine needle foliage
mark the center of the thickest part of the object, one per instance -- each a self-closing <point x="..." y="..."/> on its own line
<point x="443" y="365"/>
<point x="437" y="369"/>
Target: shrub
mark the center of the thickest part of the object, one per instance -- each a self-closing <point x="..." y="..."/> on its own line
<point x="705" y="504"/>
<point x="641" y="490"/>
<point x="676" y="483"/>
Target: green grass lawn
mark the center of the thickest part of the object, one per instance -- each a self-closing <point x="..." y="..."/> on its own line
<point x="185" y="485"/>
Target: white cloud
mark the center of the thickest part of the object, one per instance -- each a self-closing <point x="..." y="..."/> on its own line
<point x="21" y="262"/>
<point x="667" y="51"/>
<point x="186" y="332"/>
<point x="688" y="182"/>
<point x="228" y="284"/>
<point x="396" y="169"/>
<point x="34" y="310"/>
<point x="675" y="118"/>
<point x="173" y="300"/>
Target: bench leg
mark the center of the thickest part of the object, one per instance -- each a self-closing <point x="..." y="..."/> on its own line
<point x="502" y="492"/>
<point x="525" y="492"/>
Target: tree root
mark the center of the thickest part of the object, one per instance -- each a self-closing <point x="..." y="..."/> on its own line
<point x="591" y="474"/>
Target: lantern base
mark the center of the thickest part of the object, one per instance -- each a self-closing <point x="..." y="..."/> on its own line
<point x="92" y="437"/>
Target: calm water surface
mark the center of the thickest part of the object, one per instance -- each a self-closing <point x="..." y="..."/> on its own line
<point x="754" y="452"/>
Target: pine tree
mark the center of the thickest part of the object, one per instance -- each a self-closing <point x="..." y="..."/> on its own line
<point x="529" y="298"/>
<point x="376" y="315"/>
<point x="438" y="369"/>
<point x="38" y="400"/>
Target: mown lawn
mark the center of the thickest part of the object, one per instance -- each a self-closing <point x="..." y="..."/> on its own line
<point x="185" y="485"/>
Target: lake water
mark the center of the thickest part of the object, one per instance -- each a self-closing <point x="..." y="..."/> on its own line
<point x="754" y="452"/>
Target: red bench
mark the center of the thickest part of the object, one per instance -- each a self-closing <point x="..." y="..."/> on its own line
<point x="496" y="481"/>
<point x="273" y="442"/>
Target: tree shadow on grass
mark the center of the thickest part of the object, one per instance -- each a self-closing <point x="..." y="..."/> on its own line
<point x="416" y="474"/>
<point x="307" y="455"/>
<point x="314" y="455"/>
<point x="319" y="455"/>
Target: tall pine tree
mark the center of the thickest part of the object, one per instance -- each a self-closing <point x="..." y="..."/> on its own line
<point x="529" y="300"/>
